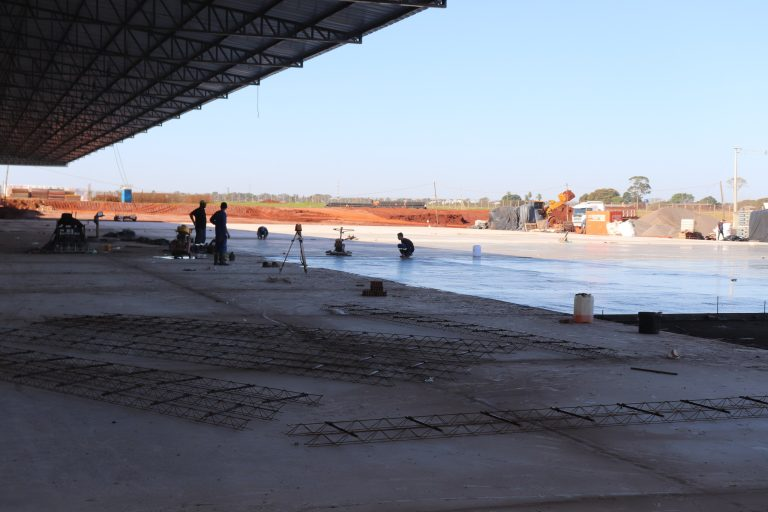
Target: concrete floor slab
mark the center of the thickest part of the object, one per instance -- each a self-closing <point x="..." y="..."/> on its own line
<point x="62" y="452"/>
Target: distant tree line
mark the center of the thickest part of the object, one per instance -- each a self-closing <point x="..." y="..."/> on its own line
<point x="637" y="193"/>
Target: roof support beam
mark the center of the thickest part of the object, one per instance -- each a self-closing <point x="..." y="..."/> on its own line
<point x="404" y="3"/>
<point x="76" y="75"/>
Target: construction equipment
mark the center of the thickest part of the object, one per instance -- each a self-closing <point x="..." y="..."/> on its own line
<point x="558" y="213"/>
<point x="68" y="236"/>
<point x="339" y="248"/>
<point x="302" y="256"/>
<point x="181" y="246"/>
<point x="96" y="219"/>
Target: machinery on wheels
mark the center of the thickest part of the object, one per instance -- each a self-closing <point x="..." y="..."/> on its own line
<point x="68" y="236"/>
<point x="339" y="248"/>
<point x="181" y="246"/>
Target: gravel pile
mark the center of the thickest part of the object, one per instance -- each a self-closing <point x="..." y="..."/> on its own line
<point x="666" y="223"/>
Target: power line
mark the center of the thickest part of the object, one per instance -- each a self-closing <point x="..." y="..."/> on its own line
<point x="81" y="177"/>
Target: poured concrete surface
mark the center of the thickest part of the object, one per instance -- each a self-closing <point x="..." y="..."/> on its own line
<point x="624" y="275"/>
<point x="66" y="453"/>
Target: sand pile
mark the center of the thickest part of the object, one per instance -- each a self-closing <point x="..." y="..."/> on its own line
<point x="666" y="223"/>
<point x="277" y="214"/>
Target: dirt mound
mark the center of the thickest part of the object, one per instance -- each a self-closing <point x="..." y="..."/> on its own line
<point x="12" y="212"/>
<point x="665" y="223"/>
<point x="265" y="214"/>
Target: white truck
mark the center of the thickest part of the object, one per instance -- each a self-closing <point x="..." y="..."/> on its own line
<point x="580" y="211"/>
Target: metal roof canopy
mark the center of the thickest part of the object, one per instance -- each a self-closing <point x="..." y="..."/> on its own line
<point x="79" y="75"/>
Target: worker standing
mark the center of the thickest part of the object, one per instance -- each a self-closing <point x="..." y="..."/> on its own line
<point x="198" y="217"/>
<point x="406" y="246"/>
<point x="219" y="219"/>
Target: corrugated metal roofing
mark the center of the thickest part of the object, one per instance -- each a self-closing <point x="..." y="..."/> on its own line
<point x="79" y="75"/>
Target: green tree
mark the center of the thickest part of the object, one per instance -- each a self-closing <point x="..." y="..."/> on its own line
<point x="638" y="188"/>
<point x="509" y="197"/>
<point x="681" y="198"/>
<point x="740" y="183"/>
<point x="708" y="200"/>
<point x="606" y="195"/>
<point x="528" y="196"/>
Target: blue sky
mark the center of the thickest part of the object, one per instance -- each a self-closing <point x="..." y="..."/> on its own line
<point x="481" y="98"/>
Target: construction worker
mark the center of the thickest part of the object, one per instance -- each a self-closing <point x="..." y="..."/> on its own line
<point x="406" y="246"/>
<point x="198" y="217"/>
<point x="219" y="219"/>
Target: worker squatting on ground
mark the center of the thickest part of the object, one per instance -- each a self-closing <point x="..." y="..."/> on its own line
<point x="219" y="219"/>
<point x="406" y="246"/>
<point x="262" y="233"/>
<point x="198" y="217"/>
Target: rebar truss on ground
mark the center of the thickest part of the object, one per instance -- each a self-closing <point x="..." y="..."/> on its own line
<point x="505" y="340"/>
<point x="410" y="428"/>
<point x="373" y="358"/>
<point x="214" y="401"/>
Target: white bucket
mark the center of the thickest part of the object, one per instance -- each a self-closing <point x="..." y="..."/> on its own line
<point x="583" y="307"/>
<point x="476" y="251"/>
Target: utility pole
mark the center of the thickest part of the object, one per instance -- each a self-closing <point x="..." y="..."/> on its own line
<point x="437" y="216"/>
<point x="736" y="152"/>
<point x="5" y="187"/>
<point x="722" y="202"/>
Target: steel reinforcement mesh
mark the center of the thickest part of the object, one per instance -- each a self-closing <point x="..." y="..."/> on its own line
<point x="214" y="401"/>
<point x="373" y="358"/>
<point x="497" y="339"/>
<point x="408" y="428"/>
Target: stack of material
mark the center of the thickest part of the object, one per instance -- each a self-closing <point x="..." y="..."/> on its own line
<point x="742" y="229"/>
<point x="38" y="193"/>
<point x="758" y="226"/>
<point x="56" y="194"/>
<point x="504" y="217"/>
<point x="19" y="193"/>
<point x="665" y="223"/>
<point x="513" y="218"/>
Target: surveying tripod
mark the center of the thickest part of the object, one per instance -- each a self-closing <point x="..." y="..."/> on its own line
<point x="302" y="257"/>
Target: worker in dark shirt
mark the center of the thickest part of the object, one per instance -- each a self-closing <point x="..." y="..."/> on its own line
<point x="219" y="219"/>
<point x="406" y="246"/>
<point x="198" y="217"/>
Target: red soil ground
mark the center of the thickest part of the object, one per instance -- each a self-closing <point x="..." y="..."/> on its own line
<point x="263" y="215"/>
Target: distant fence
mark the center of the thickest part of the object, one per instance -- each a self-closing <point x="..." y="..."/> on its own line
<point x="377" y="204"/>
